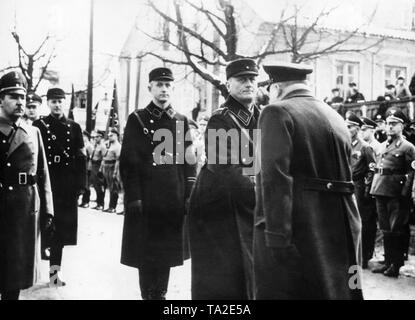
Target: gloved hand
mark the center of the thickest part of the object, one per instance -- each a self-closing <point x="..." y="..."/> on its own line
<point x="135" y="207"/>
<point x="286" y="255"/>
<point x="48" y="228"/>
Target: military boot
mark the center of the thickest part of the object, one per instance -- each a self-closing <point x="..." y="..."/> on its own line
<point x="387" y="248"/>
<point x="396" y="255"/>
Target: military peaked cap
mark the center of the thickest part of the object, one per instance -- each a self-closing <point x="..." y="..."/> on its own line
<point x="241" y="67"/>
<point x="396" y="115"/>
<point x="13" y="81"/>
<point x="286" y="71"/>
<point x="55" y="93"/>
<point x="161" y="74"/>
<point x="354" y="120"/>
<point x="33" y="98"/>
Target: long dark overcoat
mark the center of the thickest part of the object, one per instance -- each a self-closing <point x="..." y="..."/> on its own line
<point x="162" y="181"/>
<point x="222" y="208"/>
<point x="305" y="199"/>
<point x="22" y="207"/>
<point x="65" y="153"/>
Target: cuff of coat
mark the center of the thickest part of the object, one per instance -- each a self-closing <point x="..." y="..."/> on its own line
<point x="190" y="181"/>
<point x="276" y="240"/>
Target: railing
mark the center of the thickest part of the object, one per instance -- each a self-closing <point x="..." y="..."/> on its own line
<point x="371" y="108"/>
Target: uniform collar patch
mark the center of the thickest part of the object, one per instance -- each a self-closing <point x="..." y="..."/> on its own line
<point x="239" y="110"/>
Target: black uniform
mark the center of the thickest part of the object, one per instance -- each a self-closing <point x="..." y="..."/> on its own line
<point x="363" y="162"/>
<point x="66" y="158"/>
<point x="153" y="239"/>
<point x="221" y="210"/>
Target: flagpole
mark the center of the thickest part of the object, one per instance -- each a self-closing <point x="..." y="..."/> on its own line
<point x="90" y="71"/>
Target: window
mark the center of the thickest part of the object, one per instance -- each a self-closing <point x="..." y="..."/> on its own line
<point x="346" y="72"/>
<point x="392" y="73"/>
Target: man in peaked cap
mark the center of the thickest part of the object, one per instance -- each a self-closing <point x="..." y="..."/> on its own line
<point x="223" y="200"/>
<point x="33" y="103"/>
<point x="363" y="162"/>
<point x="380" y="132"/>
<point x="391" y="188"/>
<point x="66" y="157"/>
<point x="355" y="96"/>
<point x="157" y="183"/>
<point x="304" y="196"/>
<point x="23" y="212"/>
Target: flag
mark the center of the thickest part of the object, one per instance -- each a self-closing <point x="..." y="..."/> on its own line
<point x="70" y="114"/>
<point x="113" y="120"/>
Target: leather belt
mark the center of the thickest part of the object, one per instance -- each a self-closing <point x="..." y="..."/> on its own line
<point x="110" y="161"/>
<point x="96" y="161"/>
<point x="22" y="179"/>
<point x="385" y="172"/>
<point x="325" y="185"/>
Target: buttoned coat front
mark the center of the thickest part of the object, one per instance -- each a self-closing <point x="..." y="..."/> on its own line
<point x="22" y="207"/>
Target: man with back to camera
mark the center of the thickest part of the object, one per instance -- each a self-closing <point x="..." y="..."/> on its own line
<point x="223" y="200"/>
<point x="307" y="225"/>
<point x="26" y="205"/>
<point x="157" y="183"/>
<point x="66" y="157"/>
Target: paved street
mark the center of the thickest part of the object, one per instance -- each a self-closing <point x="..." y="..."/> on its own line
<point x="92" y="269"/>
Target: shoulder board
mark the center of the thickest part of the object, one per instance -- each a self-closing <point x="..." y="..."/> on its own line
<point x="220" y="111"/>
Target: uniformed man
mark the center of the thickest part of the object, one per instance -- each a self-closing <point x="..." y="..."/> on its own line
<point x="223" y="200"/>
<point x="97" y="178"/>
<point x="33" y="103"/>
<point x="108" y="168"/>
<point x="392" y="189"/>
<point x="368" y="134"/>
<point x="157" y="172"/>
<point x="307" y="225"/>
<point x="363" y="163"/>
<point x="380" y="132"/>
<point x="25" y="196"/>
<point x="86" y="196"/>
<point x="66" y="157"/>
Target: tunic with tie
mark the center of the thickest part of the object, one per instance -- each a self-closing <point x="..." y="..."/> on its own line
<point x="222" y="207"/>
<point x="25" y="202"/>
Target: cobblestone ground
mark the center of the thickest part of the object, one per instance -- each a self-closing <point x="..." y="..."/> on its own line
<point x="92" y="269"/>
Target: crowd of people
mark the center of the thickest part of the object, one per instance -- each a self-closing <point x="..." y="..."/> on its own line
<point x="279" y="202"/>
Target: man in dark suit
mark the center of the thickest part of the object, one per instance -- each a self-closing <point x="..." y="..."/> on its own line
<point x="391" y="187"/>
<point x="307" y="225"/>
<point x="157" y="177"/>
<point x="223" y="200"/>
<point x="66" y="157"/>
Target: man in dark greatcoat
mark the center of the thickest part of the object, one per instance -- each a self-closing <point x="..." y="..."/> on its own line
<point x="25" y="196"/>
<point x="66" y="158"/>
<point x="363" y="163"/>
<point x="223" y="200"/>
<point x="307" y="225"/>
<point x="157" y="171"/>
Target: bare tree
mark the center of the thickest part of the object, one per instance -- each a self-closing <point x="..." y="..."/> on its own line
<point x="204" y="51"/>
<point x="27" y="61"/>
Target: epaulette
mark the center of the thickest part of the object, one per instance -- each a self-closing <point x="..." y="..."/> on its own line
<point x="220" y="111"/>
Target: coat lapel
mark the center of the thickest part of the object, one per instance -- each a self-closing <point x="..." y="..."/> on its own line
<point x="20" y="136"/>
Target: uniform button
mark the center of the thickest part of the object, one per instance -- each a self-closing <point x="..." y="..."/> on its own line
<point x="48" y="132"/>
<point x="246" y="146"/>
<point x="68" y="148"/>
<point x="178" y="131"/>
<point x="152" y="131"/>
<point x="66" y="164"/>
<point x="151" y="121"/>
<point x="154" y="164"/>
<point x="329" y="186"/>
<point x="11" y="188"/>
<point x="49" y="147"/>
<point x="178" y="142"/>
<point x="50" y="163"/>
<point x="68" y="140"/>
<point x="8" y="164"/>
<point x="68" y="132"/>
<point x="243" y="160"/>
<point x="4" y="141"/>
<point x="47" y="125"/>
<point x="48" y="139"/>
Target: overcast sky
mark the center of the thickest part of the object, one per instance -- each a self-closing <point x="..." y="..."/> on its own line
<point x="69" y="21"/>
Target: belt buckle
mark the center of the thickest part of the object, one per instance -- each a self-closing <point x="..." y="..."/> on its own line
<point x="57" y="159"/>
<point x="381" y="171"/>
<point x="22" y="178"/>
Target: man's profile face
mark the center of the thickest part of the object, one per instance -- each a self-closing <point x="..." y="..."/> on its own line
<point x="393" y="128"/>
<point x="366" y="133"/>
<point x="32" y="111"/>
<point x="353" y="130"/>
<point x="56" y="107"/>
<point x="13" y="104"/>
<point x="161" y="90"/>
<point x="243" y="88"/>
